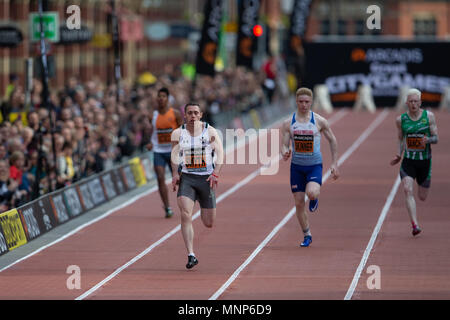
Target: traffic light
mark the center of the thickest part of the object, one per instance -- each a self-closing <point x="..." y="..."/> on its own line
<point x="258" y="30"/>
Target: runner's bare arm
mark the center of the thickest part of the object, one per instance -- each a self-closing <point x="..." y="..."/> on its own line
<point x="329" y="135"/>
<point x="216" y="144"/>
<point x="401" y="146"/>
<point x="433" y="139"/>
<point x="286" y="139"/>
<point x="149" y="145"/>
<point x="178" y="117"/>
<point x="175" y="158"/>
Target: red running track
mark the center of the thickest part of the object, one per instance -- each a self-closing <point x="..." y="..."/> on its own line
<point x="410" y="268"/>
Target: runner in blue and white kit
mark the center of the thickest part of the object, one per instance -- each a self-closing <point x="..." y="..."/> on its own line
<point x="304" y="129"/>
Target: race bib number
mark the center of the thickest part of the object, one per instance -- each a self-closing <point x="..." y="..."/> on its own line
<point x="164" y="136"/>
<point x="414" y="142"/>
<point x="195" y="160"/>
<point x="304" y="143"/>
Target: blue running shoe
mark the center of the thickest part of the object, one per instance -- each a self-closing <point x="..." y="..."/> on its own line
<point x="313" y="205"/>
<point x="306" y="241"/>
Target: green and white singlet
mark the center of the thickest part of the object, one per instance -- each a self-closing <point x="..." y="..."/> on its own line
<point x="413" y="132"/>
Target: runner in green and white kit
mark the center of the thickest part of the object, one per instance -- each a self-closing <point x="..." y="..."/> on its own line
<point x="417" y="130"/>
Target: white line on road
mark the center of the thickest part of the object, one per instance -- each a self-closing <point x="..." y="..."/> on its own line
<point x="289" y="215"/>
<point x="375" y="232"/>
<point x="233" y="189"/>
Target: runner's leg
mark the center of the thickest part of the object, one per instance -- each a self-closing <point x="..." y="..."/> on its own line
<point x="162" y="187"/>
<point x="208" y="217"/>
<point x="302" y="217"/>
<point x="186" y="206"/>
<point x="408" y="184"/>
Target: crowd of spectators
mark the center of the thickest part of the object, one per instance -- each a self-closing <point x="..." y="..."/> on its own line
<point x="93" y="127"/>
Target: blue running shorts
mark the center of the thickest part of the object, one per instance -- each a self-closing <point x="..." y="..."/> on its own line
<point x="301" y="175"/>
<point x="162" y="159"/>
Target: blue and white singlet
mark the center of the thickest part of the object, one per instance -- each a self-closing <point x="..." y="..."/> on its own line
<point x="305" y="142"/>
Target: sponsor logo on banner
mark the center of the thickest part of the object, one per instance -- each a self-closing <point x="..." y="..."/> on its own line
<point x="12" y="229"/>
<point x="129" y="177"/>
<point x="117" y="178"/>
<point x="138" y="172"/>
<point x="96" y="190"/>
<point x="386" y="67"/>
<point x="44" y="211"/>
<point x="3" y="246"/>
<point x="86" y="197"/>
<point x="59" y="208"/>
<point x="29" y="222"/>
<point x="109" y="186"/>
<point x="73" y="202"/>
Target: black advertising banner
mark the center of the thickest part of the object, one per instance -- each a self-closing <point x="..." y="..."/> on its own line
<point x="108" y="184"/>
<point x="85" y="196"/>
<point x="39" y="211"/>
<point x="71" y="36"/>
<point x="385" y="66"/>
<point x="96" y="189"/>
<point x="59" y="207"/>
<point x="206" y="55"/>
<point x="30" y="223"/>
<point x="118" y="180"/>
<point x="44" y="212"/>
<point x="246" y="45"/>
<point x="298" y="24"/>
<point x="129" y="177"/>
<point x="3" y="245"/>
<point x="73" y="202"/>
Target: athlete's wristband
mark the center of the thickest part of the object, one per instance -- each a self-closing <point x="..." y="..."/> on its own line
<point x="215" y="176"/>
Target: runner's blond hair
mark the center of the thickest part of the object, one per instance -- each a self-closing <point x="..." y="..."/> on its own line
<point x="304" y="91"/>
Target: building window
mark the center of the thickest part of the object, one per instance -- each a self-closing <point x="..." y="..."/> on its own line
<point x="325" y="27"/>
<point x="425" y="26"/>
<point x="341" y="27"/>
<point x="360" y="27"/>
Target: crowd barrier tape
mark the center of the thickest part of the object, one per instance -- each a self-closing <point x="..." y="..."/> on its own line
<point x="35" y="218"/>
<point x="28" y="222"/>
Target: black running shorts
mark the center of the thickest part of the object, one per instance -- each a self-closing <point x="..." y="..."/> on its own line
<point x="420" y="170"/>
<point x="195" y="187"/>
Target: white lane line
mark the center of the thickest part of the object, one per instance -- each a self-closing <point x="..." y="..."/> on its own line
<point x="375" y="232"/>
<point x="289" y="215"/>
<point x="236" y="187"/>
<point x="241" y="143"/>
<point x="81" y="227"/>
<point x="233" y="189"/>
